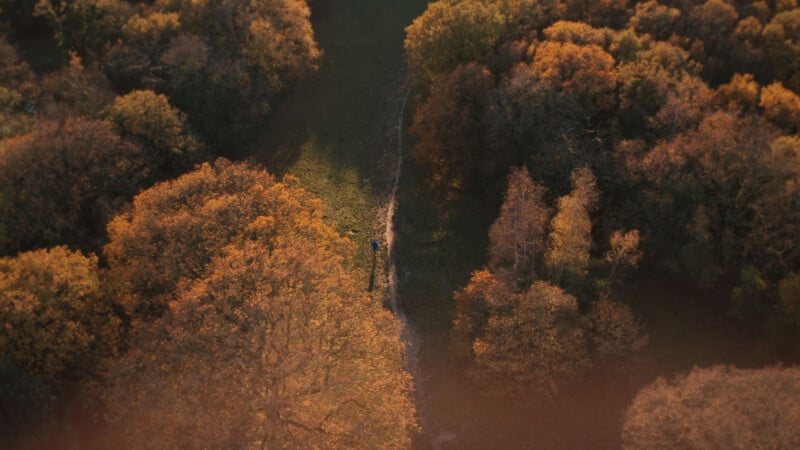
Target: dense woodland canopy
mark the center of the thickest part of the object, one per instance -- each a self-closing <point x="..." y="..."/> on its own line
<point x="174" y="302"/>
<point x="174" y="299"/>
<point x="686" y="113"/>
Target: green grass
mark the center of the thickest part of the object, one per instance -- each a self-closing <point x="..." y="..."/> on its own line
<point x="333" y="129"/>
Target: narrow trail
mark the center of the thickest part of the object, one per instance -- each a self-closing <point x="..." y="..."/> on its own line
<point x="408" y="335"/>
<point x="394" y="295"/>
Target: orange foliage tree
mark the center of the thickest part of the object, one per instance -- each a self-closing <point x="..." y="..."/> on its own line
<point x="250" y="330"/>
<point x="718" y="407"/>
<point x="447" y="127"/>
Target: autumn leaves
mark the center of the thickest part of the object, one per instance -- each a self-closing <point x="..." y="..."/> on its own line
<point x="248" y="329"/>
<point x="521" y="315"/>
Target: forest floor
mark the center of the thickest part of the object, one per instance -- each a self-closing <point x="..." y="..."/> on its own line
<point x="335" y="130"/>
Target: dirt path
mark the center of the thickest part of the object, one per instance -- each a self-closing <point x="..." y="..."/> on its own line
<point x="408" y="335"/>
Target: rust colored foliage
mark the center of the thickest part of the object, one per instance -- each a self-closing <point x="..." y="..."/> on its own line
<point x="447" y="127"/>
<point x="250" y="328"/>
<point x="570" y="240"/>
<point x="517" y="236"/>
<point x="729" y="164"/>
<point x="527" y="332"/>
<point x="62" y="181"/>
<point x="718" y="407"/>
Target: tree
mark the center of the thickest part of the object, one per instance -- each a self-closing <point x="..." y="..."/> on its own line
<point x="528" y="120"/>
<point x="16" y="88"/>
<point x="712" y="20"/>
<point x="57" y="324"/>
<point x="718" y="407"/>
<point x="149" y="118"/>
<point x="73" y="90"/>
<point x="586" y="72"/>
<point x="484" y="295"/>
<point x="268" y="339"/>
<point x="535" y="341"/>
<point x="726" y="168"/>
<point x="578" y="33"/>
<point x="522" y="16"/>
<point x="623" y="251"/>
<point x="448" y="128"/>
<point x="782" y="45"/>
<point x="741" y="92"/>
<point x="781" y="106"/>
<point x="613" y="332"/>
<point x="570" y="240"/>
<point x="451" y="33"/>
<point x="517" y="237"/>
<point x="653" y="18"/>
<point x="175" y="228"/>
<point x="62" y="181"/>
<point x="660" y="74"/>
<point x="85" y="26"/>
<point x="239" y="55"/>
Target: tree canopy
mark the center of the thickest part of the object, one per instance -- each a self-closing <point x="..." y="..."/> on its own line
<point x="250" y="329"/>
<point x="717" y="407"/>
<point x="62" y="181"/>
<point x="57" y="325"/>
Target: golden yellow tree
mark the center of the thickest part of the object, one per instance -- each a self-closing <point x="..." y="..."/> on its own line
<point x="56" y="325"/>
<point x="570" y="240"/>
<point x="517" y="237"/>
<point x="150" y="119"/>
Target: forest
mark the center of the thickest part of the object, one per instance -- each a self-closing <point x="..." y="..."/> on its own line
<point x="584" y="218"/>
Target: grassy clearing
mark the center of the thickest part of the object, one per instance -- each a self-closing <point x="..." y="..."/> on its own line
<point x="334" y="128"/>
